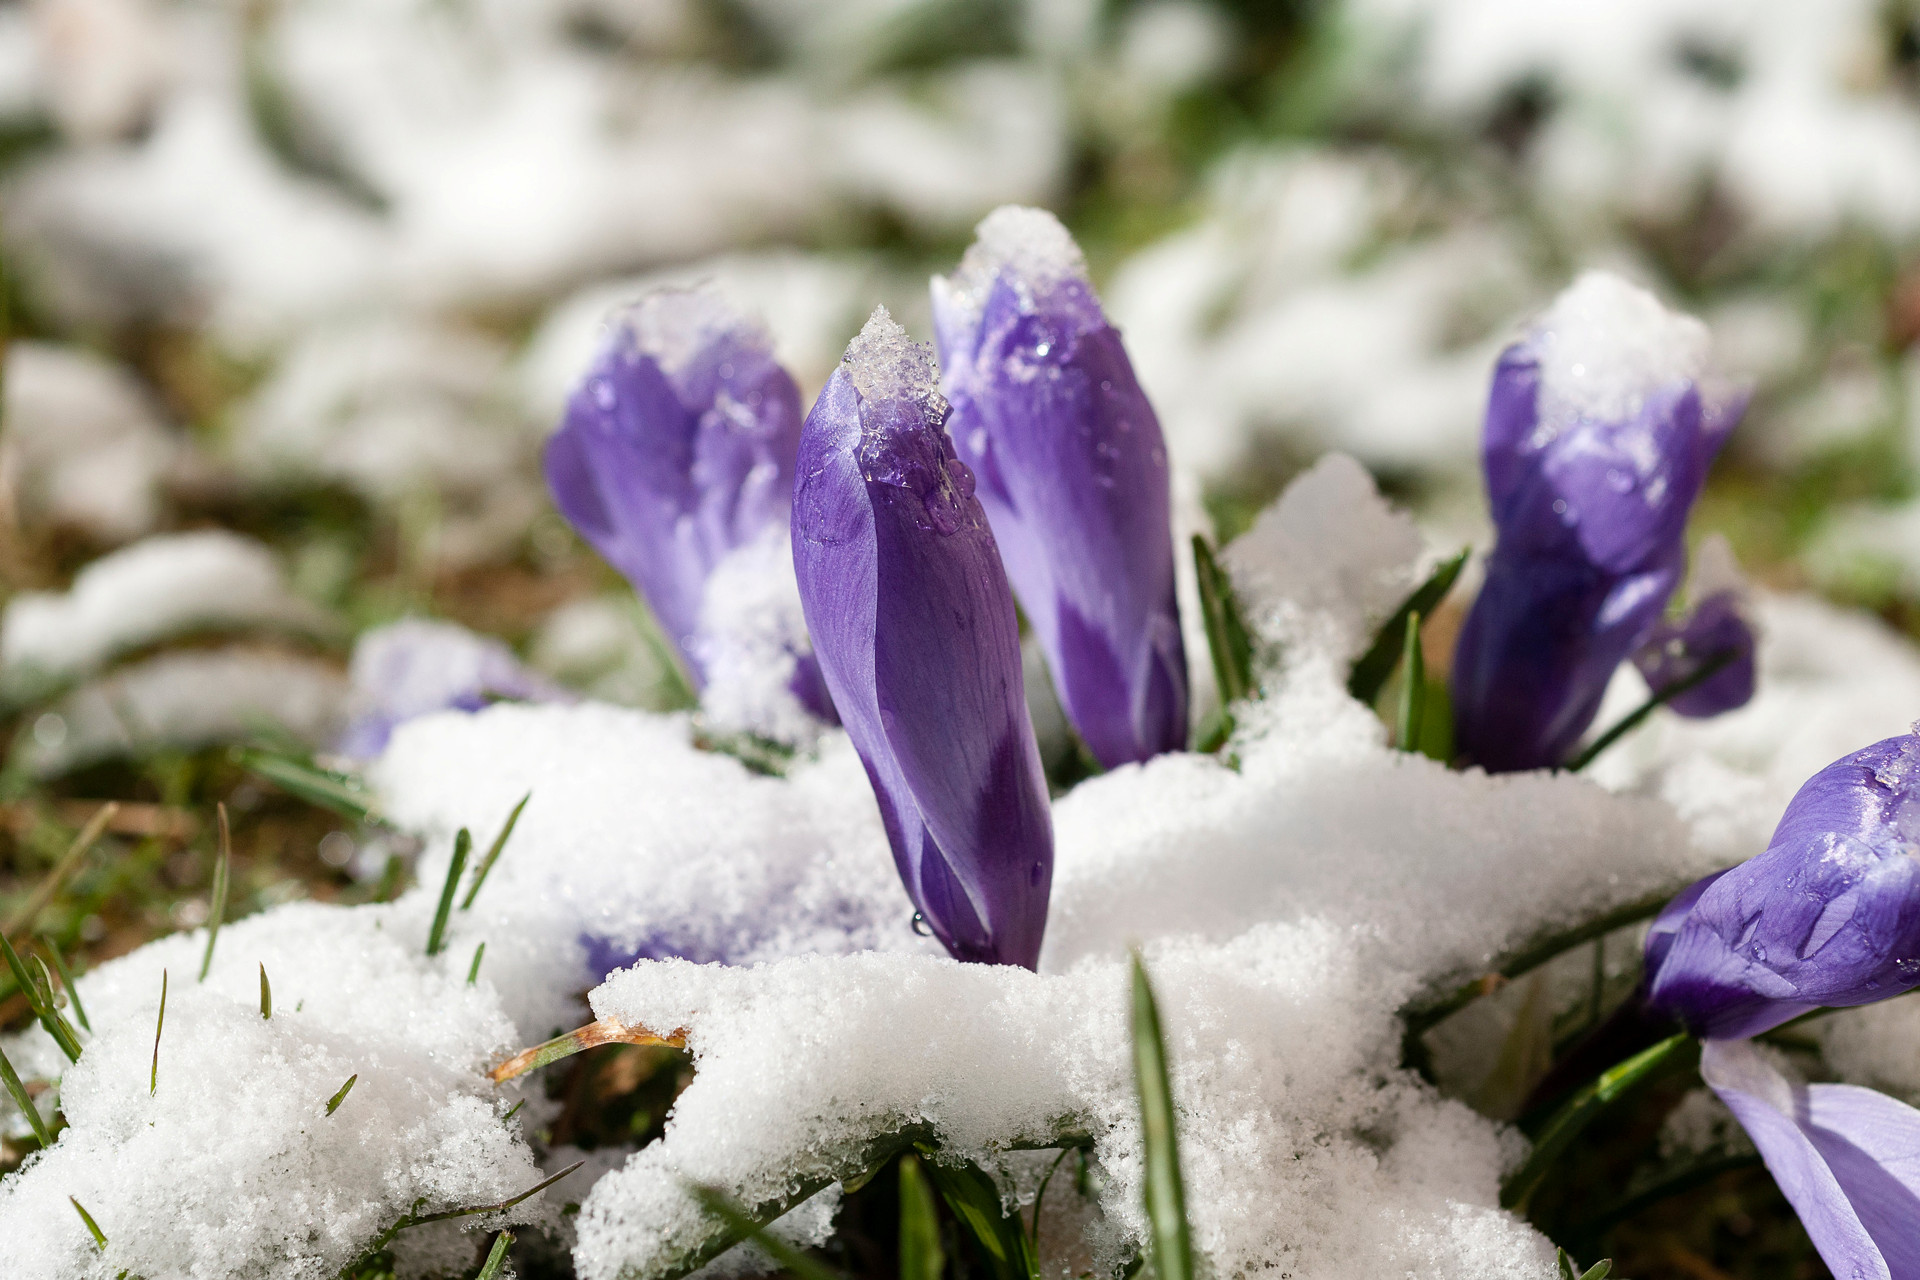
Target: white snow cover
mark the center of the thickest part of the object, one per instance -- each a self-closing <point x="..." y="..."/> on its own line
<point x="225" y="1162"/>
<point x="188" y="698"/>
<point x="1289" y="901"/>
<point x="752" y="632"/>
<point x="1605" y="345"/>
<point x="84" y="443"/>
<point x="160" y="587"/>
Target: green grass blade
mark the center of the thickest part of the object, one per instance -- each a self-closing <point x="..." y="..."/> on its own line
<point x="1706" y="671"/>
<point x="1226" y="630"/>
<point x="1371" y="670"/>
<point x="66" y="980"/>
<point x="1166" y="1194"/>
<point x="160" y="1024"/>
<point x="1581" y="1110"/>
<point x="496" y="1257"/>
<point x="93" y="1228"/>
<point x="341" y="793"/>
<point x="18" y="1092"/>
<point x="42" y="1006"/>
<point x="921" y="1257"/>
<point x="437" y="936"/>
<point x="266" y="993"/>
<point x="217" y="910"/>
<point x="473" y="970"/>
<point x="975" y="1201"/>
<point x="1413" y="688"/>
<point x="333" y="1103"/>
<point x="738" y="1221"/>
<point x="493" y="853"/>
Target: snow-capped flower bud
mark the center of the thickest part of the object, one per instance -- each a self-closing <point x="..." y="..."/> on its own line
<point x="1599" y="432"/>
<point x="415" y="667"/>
<point x="914" y="627"/>
<point x="1827" y="916"/>
<point x="1072" y="473"/>
<point x="676" y="451"/>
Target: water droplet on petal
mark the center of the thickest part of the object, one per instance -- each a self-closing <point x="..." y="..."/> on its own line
<point x="920" y="926"/>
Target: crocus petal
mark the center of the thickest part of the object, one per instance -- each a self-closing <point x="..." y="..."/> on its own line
<point x="1846" y="1158"/>
<point x="677" y="448"/>
<point x="1827" y="916"/>
<point x="1674" y="651"/>
<point x="1599" y="431"/>
<point x="414" y="667"/>
<point x="914" y="628"/>
<point x="1072" y="473"/>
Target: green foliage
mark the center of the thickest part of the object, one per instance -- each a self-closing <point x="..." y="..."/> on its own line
<point x="921" y="1257"/>
<point x="159" y="1025"/>
<point x="341" y="793"/>
<point x="222" y="870"/>
<point x="1172" y="1240"/>
<point x="340" y="1096"/>
<point x="742" y="1226"/>
<point x="493" y="855"/>
<point x="1371" y="670"/>
<point x="1591" y="1102"/>
<point x="18" y="1092"/>
<point x="437" y="935"/>
<point x="975" y="1201"/>
<point x="40" y="1000"/>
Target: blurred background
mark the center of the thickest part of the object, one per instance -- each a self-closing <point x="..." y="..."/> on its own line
<point x="308" y="280"/>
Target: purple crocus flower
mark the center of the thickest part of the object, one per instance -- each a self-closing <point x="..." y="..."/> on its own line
<point x="1599" y="431"/>
<point x="1676" y="651"/>
<point x="1846" y="1158"/>
<point x="415" y="667"/>
<point x="1827" y="916"/>
<point x="676" y="452"/>
<point x="1072" y="473"/>
<point x="915" y="631"/>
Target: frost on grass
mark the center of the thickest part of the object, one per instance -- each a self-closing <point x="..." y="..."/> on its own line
<point x="1289" y="907"/>
<point x="229" y="1165"/>
<point x="162" y="587"/>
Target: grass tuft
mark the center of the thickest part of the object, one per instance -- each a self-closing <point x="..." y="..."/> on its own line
<point x="493" y="853"/>
<point x="160" y="1024"/>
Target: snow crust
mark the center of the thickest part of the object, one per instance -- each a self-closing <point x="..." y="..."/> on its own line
<point x="1605" y="345"/>
<point x="161" y="587"/>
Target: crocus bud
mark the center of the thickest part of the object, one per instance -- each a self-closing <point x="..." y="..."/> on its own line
<point x="1072" y="472"/>
<point x="1843" y="1156"/>
<point x="915" y="631"/>
<point x="1828" y="916"/>
<point x="676" y="452"/>
<point x="1599" y="432"/>
<point x="1716" y="626"/>
<point x="414" y="667"/>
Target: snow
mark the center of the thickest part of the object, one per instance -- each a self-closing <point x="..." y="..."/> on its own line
<point x="189" y="698"/>
<point x="230" y="1166"/>
<point x="1027" y="246"/>
<point x="751" y="635"/>
<point x="886" y="364"/>
<point x="84" y="444"/>
<point x="1286" y="913"/>
<point x="165" y="586"/>
<point x="1605" y="345"/>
